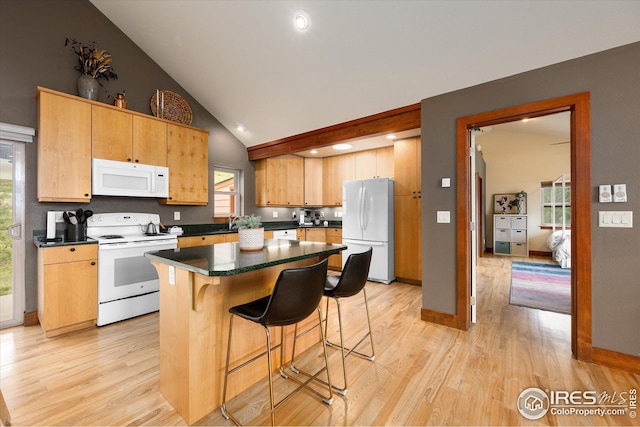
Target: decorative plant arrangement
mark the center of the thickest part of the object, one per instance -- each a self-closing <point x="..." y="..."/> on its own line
<point x="93" y="64"/>
<point x="519" y="201"/>
<point x="247" y="221"/>
<point x="250" y="234"/>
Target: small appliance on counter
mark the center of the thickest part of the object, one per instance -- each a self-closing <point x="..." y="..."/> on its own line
<point x="305" y="218"/>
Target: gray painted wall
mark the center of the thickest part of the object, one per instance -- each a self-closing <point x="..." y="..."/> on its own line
<point x="32" y="53"/>
<point x="612" y="79"/>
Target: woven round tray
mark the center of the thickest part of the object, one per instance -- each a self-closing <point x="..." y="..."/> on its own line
<point x="175" y="109"/>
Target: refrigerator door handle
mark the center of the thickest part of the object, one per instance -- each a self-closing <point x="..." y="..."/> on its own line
<point x="360" y="208"/>
<point x="365" y="209"/>
<point x="363" y="242"/>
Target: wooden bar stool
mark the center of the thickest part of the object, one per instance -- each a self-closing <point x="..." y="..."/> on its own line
<point x="296" y="294"/>
<point x="349" y="283"/>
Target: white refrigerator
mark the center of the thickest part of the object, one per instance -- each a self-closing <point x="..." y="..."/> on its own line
<point x="367" y="221"/>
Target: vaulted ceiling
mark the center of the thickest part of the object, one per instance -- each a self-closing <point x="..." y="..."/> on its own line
<point x="245" y="62"/>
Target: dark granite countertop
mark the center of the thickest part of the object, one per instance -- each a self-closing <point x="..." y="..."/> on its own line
<point x="226" y="259"/>
<point x="40" y="240"/>
<point x="223" y="228"/>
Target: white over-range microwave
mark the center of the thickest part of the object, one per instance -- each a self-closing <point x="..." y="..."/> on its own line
<point x="112" y="178"/>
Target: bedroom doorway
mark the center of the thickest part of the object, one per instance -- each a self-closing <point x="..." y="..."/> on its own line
<point x="579" y="107"/>
<point x="528" y="155"/>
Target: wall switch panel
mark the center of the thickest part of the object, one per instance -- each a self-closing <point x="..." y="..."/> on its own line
<point x="444" y="217"/>
<point x="446" y="182"/>
<point x="604" y="194"/>
<point x="620" y="192"/>
<point x="615" y="219"/>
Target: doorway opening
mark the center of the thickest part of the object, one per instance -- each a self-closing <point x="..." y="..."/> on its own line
<point x="530" y="233"/>
<point x="579" y="107"/>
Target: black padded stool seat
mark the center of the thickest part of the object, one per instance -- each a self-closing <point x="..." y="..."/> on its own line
<point x="296" y="294"/>
<point x="349" y="283"/>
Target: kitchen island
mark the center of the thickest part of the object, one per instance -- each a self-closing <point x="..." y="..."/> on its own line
<point x="198" y="285"/>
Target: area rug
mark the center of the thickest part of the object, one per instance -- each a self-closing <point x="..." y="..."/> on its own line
<point x="542" y="286"/>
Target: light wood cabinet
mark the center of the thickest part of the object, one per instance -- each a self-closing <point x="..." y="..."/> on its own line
<point x="72" y="130"/>
<point x="334" y="235"/>
<point x="335" y="170"/>
<point x="280" y="181"/>
<point x="119" y="135"/>
<point x="377" y="163"/>
<point x="67" y="288"/>
<point x="64" y="149"/>
<point x="150" y="141"/>
<point x="212" y="239"/>
<point x="209" y="239"/>
<point x="408" y="211"/>
<point x="407" y="167"/>
<point x="312" y="182"/>
<point x="188" y="162"/>
<point x="111" y="134"/>
<point x="315" y="235"/>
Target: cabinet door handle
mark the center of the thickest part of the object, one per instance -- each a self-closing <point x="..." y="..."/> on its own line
<point x="72" y="249"/>
<point x="93" y="263"/>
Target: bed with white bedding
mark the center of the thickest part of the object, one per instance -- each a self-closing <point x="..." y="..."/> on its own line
<point x="560" y="240"/>
<point x="560" y="244"/>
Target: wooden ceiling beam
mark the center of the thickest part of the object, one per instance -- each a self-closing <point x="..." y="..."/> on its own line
<point x="397" y="120"/>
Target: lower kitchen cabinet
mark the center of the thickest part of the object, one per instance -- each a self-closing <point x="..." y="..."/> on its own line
<point x="209" y="239"/>
<point x="67" y="288"/>
<point x="212" y="239"/>
<point x="334" y="235"/>
<point x="408" y="234"/>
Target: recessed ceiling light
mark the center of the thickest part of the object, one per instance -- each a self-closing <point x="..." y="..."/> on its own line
<point x="525" y="120"/>
<point x="240" y="127"/>
<point x="313" y="151"/>
<point x="342" y="146"/>
<point x="301" y="20"/>
<point x="391" y="136"/>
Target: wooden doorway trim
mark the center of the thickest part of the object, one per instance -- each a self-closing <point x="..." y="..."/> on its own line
<point x="579" y="106"/>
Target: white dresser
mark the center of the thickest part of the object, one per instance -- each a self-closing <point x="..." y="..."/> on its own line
<point x="510" y="236"/>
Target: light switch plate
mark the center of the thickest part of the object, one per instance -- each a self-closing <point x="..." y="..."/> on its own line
<point x="444" y="217"/>
<point x="615" y="219"/>
<point x="446" y="182"/>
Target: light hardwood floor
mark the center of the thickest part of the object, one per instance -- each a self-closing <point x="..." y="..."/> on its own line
<point x="423" y="374"/>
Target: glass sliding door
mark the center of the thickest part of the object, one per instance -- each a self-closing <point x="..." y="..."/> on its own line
<point x="12" y="178"/>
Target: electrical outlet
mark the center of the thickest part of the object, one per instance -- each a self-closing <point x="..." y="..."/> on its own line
<point x="176" y="216"/>
<point x="172" y="275"/>
<point x="275" y="214"/>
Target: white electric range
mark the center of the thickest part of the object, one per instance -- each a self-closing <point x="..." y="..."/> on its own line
<point x="128" y="283"/>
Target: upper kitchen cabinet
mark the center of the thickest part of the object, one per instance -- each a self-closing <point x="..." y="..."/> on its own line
<point x="188" y="162"/>
<point x="313" y="182"/>
<point x="336" y="169"/>
<point x="64" y="148"/>
<point x="407" y="167"/>
<point x="280" y="181"/>
<point x="374" y="163"/>
<point x="123" y="136"/>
